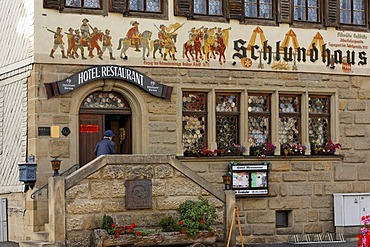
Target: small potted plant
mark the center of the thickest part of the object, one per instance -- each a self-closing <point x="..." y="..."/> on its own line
<point x="262" y="150"/>
<point x="234" y="150"/>
<point x="364" y="236"/>
<point x="292" y="149"/>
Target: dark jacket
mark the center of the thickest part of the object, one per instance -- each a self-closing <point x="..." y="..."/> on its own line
<point x="104" y="146"/>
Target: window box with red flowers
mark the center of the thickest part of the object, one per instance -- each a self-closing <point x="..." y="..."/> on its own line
<point x="326" y="149"/>
<point x="292" y="149"/>
<point x="262" y="150"/>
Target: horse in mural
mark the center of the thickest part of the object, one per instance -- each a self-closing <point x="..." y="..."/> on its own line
<point x="93" y="43"/>
<point x="94" y="39"/>
<point x="196" y="48"/>
<point x="157" y="45"/>
<point x="221" y="48"/>
<point x="209" y="46"/>
<point x="125" y="43"/>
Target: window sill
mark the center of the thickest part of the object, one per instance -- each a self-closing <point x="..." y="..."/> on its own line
<point x="334" y="157"/>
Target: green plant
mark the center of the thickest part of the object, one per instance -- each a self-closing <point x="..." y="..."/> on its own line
<point x="196" y="216"/>
<point x="170" y="224"/>
<point x="108" y="224"/>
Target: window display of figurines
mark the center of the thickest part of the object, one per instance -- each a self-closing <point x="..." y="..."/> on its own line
<point x="258" y="129"/>
<point x="318" y="105"/>
<point x="193" y="136"/>
<point x="194" y="102"/>
<point x="289" y="104"/>
<point x="227" y="102"/>
<point x="258" y="103"/>
<point x="226" y="128"/>
<point x="318" y="131"/>
<point x="289" y="130"/>
<point x="104" y="100"/>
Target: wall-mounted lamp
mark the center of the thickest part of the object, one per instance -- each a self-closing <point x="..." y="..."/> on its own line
<point x="227" y="181"/>
<point x="55" y="165"/>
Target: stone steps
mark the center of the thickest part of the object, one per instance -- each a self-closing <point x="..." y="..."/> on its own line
<point x="39" y="243"/>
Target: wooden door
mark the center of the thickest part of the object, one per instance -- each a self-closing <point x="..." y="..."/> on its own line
<point x="91" y="131"/>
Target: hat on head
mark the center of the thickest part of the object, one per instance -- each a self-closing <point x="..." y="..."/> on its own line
<point x="108" y="133"/>
<point x="133" y="23"/>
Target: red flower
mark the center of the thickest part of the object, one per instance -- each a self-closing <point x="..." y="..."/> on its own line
<point x="121" y="226"/>
<point x="138" y="233"/>
<point x="201" y="221"/>
<point x="131" y="231"/>
<point x="127" y="227"/>
<point x="181" y="223"/>
<point x="183" y="231"/>
<point x="133" y="225"/>
<point x="117" y="233"/>
<point x="113" y="225"/>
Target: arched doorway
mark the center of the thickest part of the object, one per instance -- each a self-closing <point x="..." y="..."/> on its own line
<point x="101" y="111"/>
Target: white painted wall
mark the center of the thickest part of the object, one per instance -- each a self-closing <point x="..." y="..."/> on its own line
<point x="16" y="53"/>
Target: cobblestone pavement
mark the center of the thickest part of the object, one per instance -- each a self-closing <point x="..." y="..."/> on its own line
<point x="9" y="244"/>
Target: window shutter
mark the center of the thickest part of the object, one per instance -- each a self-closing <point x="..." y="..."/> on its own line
<point x="332" y="13"/>
<point x="183" y="8"/>
<point x="236" y="10"/>
<point x="52" y="4"/>
<point x="285" y="11"/>
<point x="118" y="6"/>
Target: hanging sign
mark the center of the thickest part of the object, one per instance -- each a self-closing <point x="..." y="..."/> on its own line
<point x="109" y="72"/>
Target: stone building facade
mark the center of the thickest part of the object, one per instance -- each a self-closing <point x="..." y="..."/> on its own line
<point x="40" y="92"/>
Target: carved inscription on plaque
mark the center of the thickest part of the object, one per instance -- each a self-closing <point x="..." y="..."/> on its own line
<point x="138" y="194"/>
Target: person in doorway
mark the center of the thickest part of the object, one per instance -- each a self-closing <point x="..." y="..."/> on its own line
<point x="106" y="145"/>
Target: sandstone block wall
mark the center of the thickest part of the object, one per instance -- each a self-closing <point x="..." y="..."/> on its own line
<point x="104" y="192"/>
<point x="301" y="186"/>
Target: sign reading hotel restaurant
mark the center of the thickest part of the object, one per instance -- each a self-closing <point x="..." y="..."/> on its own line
<point x="109" y="72"/>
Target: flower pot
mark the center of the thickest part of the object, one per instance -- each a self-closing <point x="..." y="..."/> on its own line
<point x="258" y="151"/>
<point x="190" y="154"/>
<point x="102" y="239"/>
<point x="321" y="152"/>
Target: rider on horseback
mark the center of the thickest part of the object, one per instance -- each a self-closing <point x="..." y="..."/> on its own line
<point x="134" y="35"/>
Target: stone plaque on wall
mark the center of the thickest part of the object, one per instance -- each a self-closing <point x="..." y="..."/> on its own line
<point x="138" y="194"/>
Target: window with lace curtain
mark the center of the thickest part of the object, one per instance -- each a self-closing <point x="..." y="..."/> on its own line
<point x="208" y="7"/>
<point x="352" y="12"/>
<point x="88" y="4"/>
<point x="307" y="10"/>
<point x="145" y="5"/>
<point x="258" y="9"/>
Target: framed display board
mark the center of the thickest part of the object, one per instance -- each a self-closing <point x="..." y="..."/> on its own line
<point x="250" y="179"/>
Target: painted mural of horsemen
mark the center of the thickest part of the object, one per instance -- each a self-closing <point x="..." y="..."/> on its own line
<point x="193" y="46"/>
<point x="158" y="45"/>
<point x="143" y="42"/>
